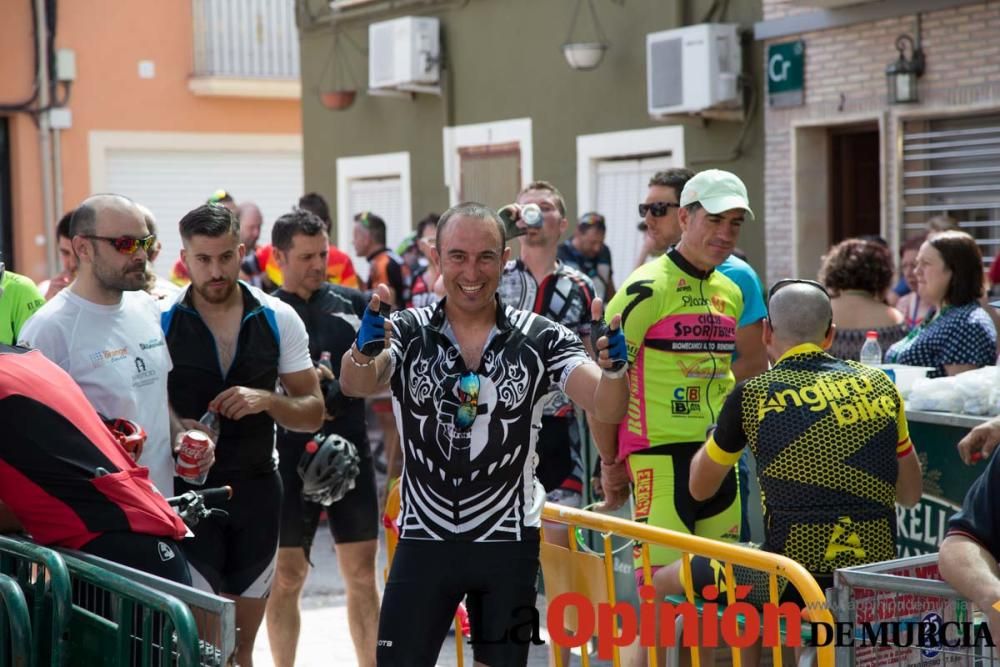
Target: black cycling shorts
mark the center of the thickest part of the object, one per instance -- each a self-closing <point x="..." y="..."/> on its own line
<point x="427" y="581"/>
<point x="161" y="556"/>
<point x="236" y="554"/>
<point x="353" y="518"/>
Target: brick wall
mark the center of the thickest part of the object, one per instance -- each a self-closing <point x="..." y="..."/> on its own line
<point x="779" y="9"/>
<point x="845" y="80"/>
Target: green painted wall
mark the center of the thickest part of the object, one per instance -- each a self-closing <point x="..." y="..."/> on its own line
<point x="505" y="62"/>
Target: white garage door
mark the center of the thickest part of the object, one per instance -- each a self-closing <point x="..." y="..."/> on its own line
<point x="171" y="183"/>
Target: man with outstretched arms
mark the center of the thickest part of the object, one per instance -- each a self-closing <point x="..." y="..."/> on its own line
<point x="469" y="377"/>
<point x="231" y="345"/>
<point x="680" y="318"/>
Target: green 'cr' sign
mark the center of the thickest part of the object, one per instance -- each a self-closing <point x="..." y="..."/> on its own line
<point x="785" y="73"/>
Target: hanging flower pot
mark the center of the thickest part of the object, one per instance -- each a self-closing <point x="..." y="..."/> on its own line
<point x="584" y="54"/>
<point x="337" y="92"/>
<point x="337" y="100"/>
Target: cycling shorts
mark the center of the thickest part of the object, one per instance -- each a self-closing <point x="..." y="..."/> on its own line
<point x="660" y="489"/>
<point x="353" y="518"/>
<point x="427" y="581"/>
<point x="236" y="554"/>
<point x="161" y="556"/>
<point x="709" y="571"/>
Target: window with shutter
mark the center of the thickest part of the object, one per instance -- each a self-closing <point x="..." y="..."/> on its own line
<point x="951" y="166"/>
<point x="383" y="197"/>
<point x="490" y="175"/>
<point x="620" y="185"/>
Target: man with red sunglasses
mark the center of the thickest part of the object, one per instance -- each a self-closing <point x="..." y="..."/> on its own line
<point x="104" y="330"/>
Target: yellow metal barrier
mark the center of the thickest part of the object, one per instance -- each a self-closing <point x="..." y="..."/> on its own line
<point x="557" y="561"/>
<point x="593" y="576"/>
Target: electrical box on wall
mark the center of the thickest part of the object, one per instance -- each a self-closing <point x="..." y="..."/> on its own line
<point x="694" y="70"/>
<point x="404" y="55"/>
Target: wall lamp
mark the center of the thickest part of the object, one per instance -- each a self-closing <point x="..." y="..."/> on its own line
<point x="901" y="75"/>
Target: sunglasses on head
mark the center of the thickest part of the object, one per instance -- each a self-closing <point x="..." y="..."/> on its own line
<point x="794" y="281"/>
<point x="657" y="208"/>
<point x="219" y="196"/>
<point x="126" y="245"/>
<point x="468" y="387"/>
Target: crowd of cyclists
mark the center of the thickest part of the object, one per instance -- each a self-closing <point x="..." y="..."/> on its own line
<point x="475" y="364"/>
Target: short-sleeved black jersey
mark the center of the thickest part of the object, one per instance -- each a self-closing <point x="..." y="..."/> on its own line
<point x="471" y="477"/>
<point x="979" y="518"/>
<point x="564" y="297"/>
<point x="826" y="434"/>
<point x="332" y="316"/>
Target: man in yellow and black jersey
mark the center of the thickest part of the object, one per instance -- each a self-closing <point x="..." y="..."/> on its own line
<point x="832" y="447"/>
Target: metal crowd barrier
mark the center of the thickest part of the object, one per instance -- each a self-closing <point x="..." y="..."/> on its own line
<point x="15" y="633"/>
<point x="85" y="610"/>
<point x="43" y="578"/>
<point x="559" y="563"/>
<point x="121" y="622"/>
<point x="214" y="616"/>
<point x="896" y="597"/>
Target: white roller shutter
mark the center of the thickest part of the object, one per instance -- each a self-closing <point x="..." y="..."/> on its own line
<point x="621" y="185"/>
<point x="171" y="183"/>
<point x="382" y="196"/>
<point x="951" y="166"/>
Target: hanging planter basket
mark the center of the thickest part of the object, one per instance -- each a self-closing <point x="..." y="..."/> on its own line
<point x="337" y="92"/>
<point x="338" y="100"/>
<point x="584" y="55"/>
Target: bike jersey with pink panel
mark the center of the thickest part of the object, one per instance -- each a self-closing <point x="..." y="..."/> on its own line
<point x="680" y="326"/>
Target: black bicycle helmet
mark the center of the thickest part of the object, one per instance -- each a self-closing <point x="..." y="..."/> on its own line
<point x="328" y="467"/>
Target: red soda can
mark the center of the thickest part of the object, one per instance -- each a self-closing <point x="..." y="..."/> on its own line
<point x="194" y="444"/>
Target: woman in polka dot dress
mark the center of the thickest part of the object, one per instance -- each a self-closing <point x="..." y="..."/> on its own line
<point x="960" y="336"/>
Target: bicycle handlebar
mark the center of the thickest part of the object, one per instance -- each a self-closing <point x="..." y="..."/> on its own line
<point x="221" y="493"/>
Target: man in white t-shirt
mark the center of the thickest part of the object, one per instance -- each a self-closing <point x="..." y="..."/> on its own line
<point x="105" y="331"/>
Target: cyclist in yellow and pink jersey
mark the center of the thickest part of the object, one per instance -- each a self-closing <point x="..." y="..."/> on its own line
<point x="680" y="316"/>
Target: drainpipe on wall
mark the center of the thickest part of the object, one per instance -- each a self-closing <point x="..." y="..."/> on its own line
<point x="45" y="138"/>
<point x="57" y="180"/>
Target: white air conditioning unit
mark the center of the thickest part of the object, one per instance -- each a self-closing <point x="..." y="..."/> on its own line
<point x="404" y="54"/>
<point x="694" y="70"/>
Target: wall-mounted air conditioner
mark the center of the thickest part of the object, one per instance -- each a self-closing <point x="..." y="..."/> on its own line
<point x="694" y="70"/>
<point x="404" y="54"/>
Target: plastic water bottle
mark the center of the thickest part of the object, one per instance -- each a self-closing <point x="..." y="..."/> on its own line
<point x="325" y="359"/>
<point x="871" y="351"/>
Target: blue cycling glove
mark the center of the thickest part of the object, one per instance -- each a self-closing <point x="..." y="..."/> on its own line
<point x="617" y="351"/>
<point x="371" y="335"/>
